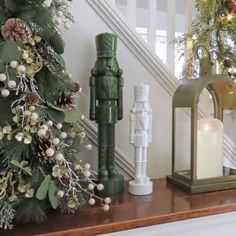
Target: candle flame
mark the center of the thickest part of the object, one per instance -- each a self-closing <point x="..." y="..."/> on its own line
<point x="206" y="127"/>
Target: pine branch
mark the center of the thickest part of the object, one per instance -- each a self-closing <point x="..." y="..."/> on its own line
<point x="6" y="215"/>
<point x="31" y="210"/>
<point x="12" y="149"/>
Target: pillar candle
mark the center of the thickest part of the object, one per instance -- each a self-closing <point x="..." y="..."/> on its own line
<point x="209" y="148"/>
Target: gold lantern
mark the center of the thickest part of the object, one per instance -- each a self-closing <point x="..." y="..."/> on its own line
<point x="194" y="169"/>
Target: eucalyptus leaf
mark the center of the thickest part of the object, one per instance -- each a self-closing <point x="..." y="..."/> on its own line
<point x="55" y="107"/>
<point x="9" y="51"/>
<point x="72" y="115"/>
<point x="20" y="166"/>
<point x="11" y="5"/>
<point x="2" y="66"/>
<point x="55" y="115"/>
<point x="43" y="188"/>
<point x="5" y="105"/>
<point x="16" y="163"/>
<point x="24" y="163"/>
<point x="27" y="170"/>
<point x="52" y="193"/>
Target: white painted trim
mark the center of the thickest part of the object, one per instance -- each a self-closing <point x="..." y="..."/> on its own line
<point x="170" y="35"/>
<point x="118" y="24"/>
<point x="122" y="160"/>
<point x="131" y="12"/>
<point x="152" y="19"/>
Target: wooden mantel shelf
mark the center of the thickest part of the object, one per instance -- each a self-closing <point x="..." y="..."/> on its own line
<point x="166" y="204"/>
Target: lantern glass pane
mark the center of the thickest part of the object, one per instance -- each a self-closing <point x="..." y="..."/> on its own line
<point x="229" y="157"/>
<point x="205" y="103"/>
<point x="182" y="138"/>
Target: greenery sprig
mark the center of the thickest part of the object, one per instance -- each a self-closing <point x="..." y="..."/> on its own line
<point x="214" y="28"/>
<point x="40" y="139"/>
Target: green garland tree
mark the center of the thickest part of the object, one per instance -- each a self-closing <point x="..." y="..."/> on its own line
<point x="214" y="28"/>
<point x="39" y="134"/>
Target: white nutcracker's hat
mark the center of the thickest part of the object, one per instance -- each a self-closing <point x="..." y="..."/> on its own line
<point x="141" y="92"/>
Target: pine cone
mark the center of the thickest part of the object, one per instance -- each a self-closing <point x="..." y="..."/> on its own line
<point x="227" y="63"/>
<point x="65" y="101"/>
<point x="41" y="146"/>
<point x="230" y="6"/>
<point x="76" y="88"/>
<point x="32" y="99"/>
<point x="16" y="29"/>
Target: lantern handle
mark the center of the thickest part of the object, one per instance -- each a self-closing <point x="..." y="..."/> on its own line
<point x="198" y="47"/>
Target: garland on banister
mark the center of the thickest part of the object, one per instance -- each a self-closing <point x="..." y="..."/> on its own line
<point x="39" y="134"/>
<point x="214" y="28"/>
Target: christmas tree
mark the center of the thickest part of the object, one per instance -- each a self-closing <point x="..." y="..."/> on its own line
<point x="213" y="28"/>
<point x="39" y="134"/>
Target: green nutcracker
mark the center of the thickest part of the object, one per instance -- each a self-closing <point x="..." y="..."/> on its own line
<point x="106" y="107"/>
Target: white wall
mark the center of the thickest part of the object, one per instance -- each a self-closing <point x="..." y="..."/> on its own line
<point x="80" y="55"/>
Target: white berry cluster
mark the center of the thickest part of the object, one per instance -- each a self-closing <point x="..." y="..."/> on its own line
<point x="8" y="85"/>
<point x="29" y="120"/>
<point x="92" y="200"/>
<point x="31" y="124"/>
<point x="19" y="67"/>
<point x="53" y="151"/>
<point x="91" y="187"/>
<point x="6" y="131"/>
<point x="24" y="64"/>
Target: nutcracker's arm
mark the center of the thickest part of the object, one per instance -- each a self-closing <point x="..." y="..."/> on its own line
<point x="120" y="97"/>
<point x="92" y="111"/>
<point x="132" y="128"/>
<point x="150" y="127"/>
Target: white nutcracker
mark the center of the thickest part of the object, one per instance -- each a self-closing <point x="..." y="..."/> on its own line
<point x="140" y="137"/>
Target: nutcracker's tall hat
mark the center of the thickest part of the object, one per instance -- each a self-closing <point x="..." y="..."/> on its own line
<point x="141" y="92"/>
<point x="106" y="44"/>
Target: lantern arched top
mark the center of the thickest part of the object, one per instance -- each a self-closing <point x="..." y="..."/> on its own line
<point x="188" y="93"/>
